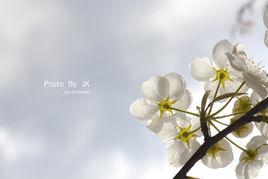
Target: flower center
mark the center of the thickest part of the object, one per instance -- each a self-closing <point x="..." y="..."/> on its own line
<point x="222" y="75"/>
<point x="214" y="150"/>
<point x="185" y="134"/>
<point x="165" y="106"/>
<point x="251" y="155"/>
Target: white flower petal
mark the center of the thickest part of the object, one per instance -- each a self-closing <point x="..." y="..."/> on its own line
<point x="177" y="85"/>
<point x="237" y="63"/>
<point x="168" y="131"/>
<point x="195" y="122"/>
<point x="219" y="53"/>
<point x="184" y="102"/>
<point x="187" y="154"/>
<point x="156" y="88"/>
<point x="263" y="128"/>
<point x="227" y="154"/>
<point x="255" y="84"/>
<point x="174" y="150"/>
<point x="255" y="142"/>
<point x="201" y="69"/>
<point x="263" y="152"/>
<point x="232" y="86"/>
<point x="252" y="169"/>
<point x="156" y="124"/>
<point x="211" y="162"/>
<point x="140" y="109"/>
<point x="255" y="98"/>
<point x="243" y="131"/>
<point x="239" y="170"/>
<point x="182" y="120"/>
<point x="236" y="74"/>
<point x="222" y="157"/>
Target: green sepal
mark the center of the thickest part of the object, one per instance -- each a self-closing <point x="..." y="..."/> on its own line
<point x="204" y="101"/>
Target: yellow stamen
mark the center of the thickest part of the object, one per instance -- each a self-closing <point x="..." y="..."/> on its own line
<point x="251" y="155"/>
<point x="185" y="134"/>
<point x="165" y="106"/>
<point x="222" y="75"/>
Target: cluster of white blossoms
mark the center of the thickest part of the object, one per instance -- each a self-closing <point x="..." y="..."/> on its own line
<point x="230" y="75"/>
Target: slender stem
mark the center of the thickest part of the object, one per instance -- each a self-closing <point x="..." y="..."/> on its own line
<point x="235" y="144"/>
<point x="258" y="148"/>
<point x="241" y="148"/>
<point x="226" y="104"/>
<point x="195" y="130"/>
<point x="186" y="112"/>
<point x="215" y="120"/>
<point x="215" y="95"/>
<point x="234" y="114"/>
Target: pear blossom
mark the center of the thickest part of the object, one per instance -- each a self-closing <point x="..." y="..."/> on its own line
<point x="180" y="139"/>
<point x="219" y="156"/>
<point x="253" y="75"/>
<point x="160" y="95"/>
<point x="265" y="20"/>
<point x="253" y="159"/>
<point x="242" y="104"/>
<point x="219" y="71"/>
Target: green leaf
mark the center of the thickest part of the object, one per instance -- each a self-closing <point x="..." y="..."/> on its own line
<point x="204" y="100"/>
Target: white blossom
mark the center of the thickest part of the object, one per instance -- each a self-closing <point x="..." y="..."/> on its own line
<point x="180" y="139"/>
<point x="242" y="104"/>
<point x="219" y="156"/>
<point x="217" y="71"/>
<point x="160" y="95"/>
<point x="253" y="75"/>
<point x="252" y="160"/>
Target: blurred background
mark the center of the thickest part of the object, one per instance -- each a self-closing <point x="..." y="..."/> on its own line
<point x="115" y="45"/>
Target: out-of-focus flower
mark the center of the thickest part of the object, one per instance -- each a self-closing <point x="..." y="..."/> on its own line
<point x="180" y="139"/>
<point x="219" y="156"/>
<point x="160" y="95"/>
<point x="217" y="71"/>
<point x="253" y="75"/>
<point x="252" y="160"/>
<point x="265" y="20"/>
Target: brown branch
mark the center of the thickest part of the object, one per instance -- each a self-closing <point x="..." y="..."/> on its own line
<point x="201" y="152"/>
<point x="204" y="126"/>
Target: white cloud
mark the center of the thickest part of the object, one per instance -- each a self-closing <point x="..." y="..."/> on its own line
<point x="13" y="147"/>
<point x="24" y="23"/>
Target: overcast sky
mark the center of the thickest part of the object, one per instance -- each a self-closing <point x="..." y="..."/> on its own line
<point x="115" y="45"/>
